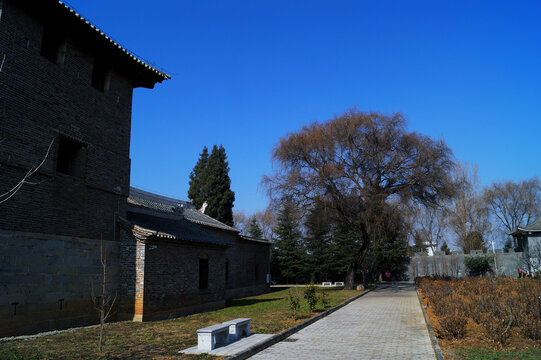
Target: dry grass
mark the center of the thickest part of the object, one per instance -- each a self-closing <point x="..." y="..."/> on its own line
<point x="163" y="339"/>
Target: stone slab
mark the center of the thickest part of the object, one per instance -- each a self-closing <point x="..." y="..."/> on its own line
<point x="231" y="349"/>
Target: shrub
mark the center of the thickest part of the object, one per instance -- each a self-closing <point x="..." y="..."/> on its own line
<point x="310" y="295"/>
<point x="527" y="308"/>
<point x="453" y="326"/>
<point x="496" y="317"/>
<point x="294" y="302"/>
<point x="324" y="299"/>
<point x="478" y="265"/>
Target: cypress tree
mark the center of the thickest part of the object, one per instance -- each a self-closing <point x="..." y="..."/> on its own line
<point x="198" y="179"/>
<point x="217" y="187"/>
<point x="254" y="230"/>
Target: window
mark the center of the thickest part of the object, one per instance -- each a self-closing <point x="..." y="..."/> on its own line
<point x="52" y="45"/>
<point x="203" y="273"/>
<point x="226" y="271"/>
<point x="71" y="156"/>
<point x="100" y="76"/>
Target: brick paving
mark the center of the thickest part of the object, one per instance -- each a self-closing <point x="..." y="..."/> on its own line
<point x="387" y="323"/>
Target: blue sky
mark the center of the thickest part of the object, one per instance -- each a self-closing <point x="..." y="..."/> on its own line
<point x="244" y="73"/>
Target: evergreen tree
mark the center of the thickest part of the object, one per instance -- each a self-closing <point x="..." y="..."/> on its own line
<point x="197" y="180"/>
<point x="318" y="244"/>
<point x="508" y="245"/>
<point x="288" y="254"/>
<point x="327" y="244"/>
<point x="445" y="248"/>
<point x="217" y="187"/>
<point x="254" y="230"/>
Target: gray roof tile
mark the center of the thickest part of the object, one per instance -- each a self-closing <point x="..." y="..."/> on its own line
<point x="535" y="226"/>
<point x="174" y="228"/>
<point x="171" y="206"/>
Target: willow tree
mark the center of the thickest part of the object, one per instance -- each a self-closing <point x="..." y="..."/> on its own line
<point x="361" y="163"/>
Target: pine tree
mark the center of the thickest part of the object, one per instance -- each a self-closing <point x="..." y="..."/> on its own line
<point x="197" y="180"/>
<point x="254" y="230"/>
<point x="217" y="187"/>
<point x="287" y="260"/>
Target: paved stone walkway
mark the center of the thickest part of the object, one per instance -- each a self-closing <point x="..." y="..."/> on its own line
<point x="387" y="323"/>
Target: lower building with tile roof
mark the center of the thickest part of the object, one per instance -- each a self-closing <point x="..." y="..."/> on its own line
<point x="176" y="260"/>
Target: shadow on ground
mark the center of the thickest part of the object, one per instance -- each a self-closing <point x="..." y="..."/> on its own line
<point x="244" y="302"/>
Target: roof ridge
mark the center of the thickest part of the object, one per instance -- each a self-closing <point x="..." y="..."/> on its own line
<point x="151" y="196"/>
<point x="139" y="59"/>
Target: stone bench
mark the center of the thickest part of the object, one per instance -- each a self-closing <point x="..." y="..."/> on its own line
<point x="212" y="337"/>
<point x="238" y="328"/>
<point x="339" y="283"/>
<point x="325" y="283"/>
<point x="218" y="335"/>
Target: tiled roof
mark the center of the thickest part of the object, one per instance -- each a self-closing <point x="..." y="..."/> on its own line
<point x="167" y="227"/>
<point x="170" y="205"/>
<point x="535" y="226"/>
<point x="104" y="36"/>
<point x="198" y="217"/>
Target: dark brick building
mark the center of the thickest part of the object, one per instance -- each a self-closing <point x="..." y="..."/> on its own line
<point x="66" y="91"/>
<point x="65" y="115"/>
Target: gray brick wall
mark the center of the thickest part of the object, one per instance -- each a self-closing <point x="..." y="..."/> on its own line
<point x="39" y="100"/>
<point x="160" y="279"/>
<point x="37" y="270"/>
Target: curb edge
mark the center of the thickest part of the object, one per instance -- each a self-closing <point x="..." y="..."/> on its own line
<point x="433" y="339"/>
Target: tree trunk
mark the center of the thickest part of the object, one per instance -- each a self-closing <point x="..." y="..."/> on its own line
<point x="350" y="277"/>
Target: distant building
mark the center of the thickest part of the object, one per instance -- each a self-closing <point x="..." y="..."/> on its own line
<point x="528" y="239"/>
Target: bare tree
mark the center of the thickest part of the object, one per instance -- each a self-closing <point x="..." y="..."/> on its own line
<point x="267" y="222"/>
<point x="241" y="220"/>
<point x="11" y="192"/>
<point x="103" y="303"/>
<point x="514" y="204"/>
<point x="429" y="225"/>
<point x="468" y="213"/>
<point x="359" y="161"/>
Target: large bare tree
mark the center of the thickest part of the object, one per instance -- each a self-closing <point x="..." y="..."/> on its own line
<point x="359" y="161"/>
<point x="514" y="204"/>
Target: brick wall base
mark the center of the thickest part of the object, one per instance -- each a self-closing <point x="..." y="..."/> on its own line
<point x="38" y="270"/>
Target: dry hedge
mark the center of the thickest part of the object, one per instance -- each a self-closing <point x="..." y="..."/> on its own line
<point x="496" y="304"/>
